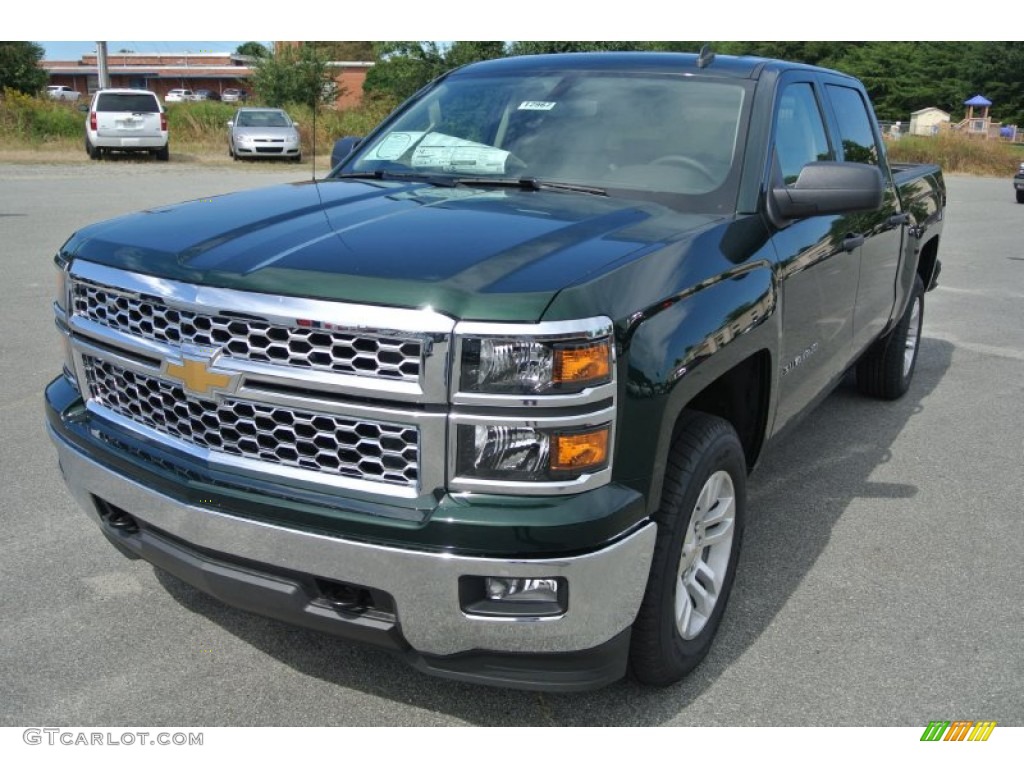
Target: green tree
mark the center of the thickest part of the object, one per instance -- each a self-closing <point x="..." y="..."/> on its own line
<point x="295" y="74"/>
<point x="999" y="74"/>
<point x="402" y="68"/>
<point x="254" y="49"/>
<point x="19" y="66"/>
<point x="530" y="47"/>
<point x="345" y="50"/>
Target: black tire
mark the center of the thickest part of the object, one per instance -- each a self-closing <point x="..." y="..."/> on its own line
<point x="887" y="367"/>
<point x="164" y="153"/>
<point x="1020" y="195"/>
<point x="666" y="644"/>
<point x="94" y="153"/>
<point x="297" y="159"/>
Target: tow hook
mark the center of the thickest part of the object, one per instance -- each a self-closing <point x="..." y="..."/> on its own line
<point x="344" y="598"/>
<point x="117" y="518"/>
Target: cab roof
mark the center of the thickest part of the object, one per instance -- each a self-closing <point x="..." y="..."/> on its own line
<point x="742" y="67"/>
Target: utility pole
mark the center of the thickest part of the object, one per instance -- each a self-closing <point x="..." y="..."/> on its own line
<point x="101" y="65"/>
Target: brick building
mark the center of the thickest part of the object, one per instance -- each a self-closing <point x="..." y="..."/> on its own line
<point x="161" y="72"/>
<point x="158" y="72"/>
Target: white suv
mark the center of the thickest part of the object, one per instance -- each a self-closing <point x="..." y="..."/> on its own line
<point x="126" y="120"/>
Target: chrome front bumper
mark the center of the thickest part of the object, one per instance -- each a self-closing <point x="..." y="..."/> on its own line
<point x="605" y="587"/>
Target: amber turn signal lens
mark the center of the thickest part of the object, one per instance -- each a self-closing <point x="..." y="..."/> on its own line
<point x="580" y="451"/>
<point x="576" y="365"/>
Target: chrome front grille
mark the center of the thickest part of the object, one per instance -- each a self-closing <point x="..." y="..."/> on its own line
<point x="313" y="347"/>
<point x="304" y="439"/>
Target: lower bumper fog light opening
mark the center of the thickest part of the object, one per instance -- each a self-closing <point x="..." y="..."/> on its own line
<point x="514" y="597"/>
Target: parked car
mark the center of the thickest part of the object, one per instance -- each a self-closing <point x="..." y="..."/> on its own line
<point x="263" y="132"/>
<point x="62" y="93"/>
<point x="179" y="94"/>
<point x="234" y="95"/>
<point x="204" y="94"/>
<point x="126" y="120"/>
<point x="1018" y="183"/>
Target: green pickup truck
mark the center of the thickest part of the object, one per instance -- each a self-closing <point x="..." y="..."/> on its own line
<point x="488" y="394"/>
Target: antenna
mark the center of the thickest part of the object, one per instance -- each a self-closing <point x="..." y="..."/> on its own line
<point x="705" y="57"/>
<point x="315" y="100"/>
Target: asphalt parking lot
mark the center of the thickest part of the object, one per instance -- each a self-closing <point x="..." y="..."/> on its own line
<point x="880" y="582"/>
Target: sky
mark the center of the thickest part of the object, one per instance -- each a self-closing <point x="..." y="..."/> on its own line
<point x="70" y="51"/>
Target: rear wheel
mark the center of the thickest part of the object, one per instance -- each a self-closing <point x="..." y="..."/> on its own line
<point x="164" y="153"/>
<point x="94" y="152"/>
<point x="1020" y="195"/>
<point x="700" y="525"/>
<point x="887" y="367"/>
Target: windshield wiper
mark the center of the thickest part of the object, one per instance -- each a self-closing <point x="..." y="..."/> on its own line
<point x="437" y="181"/>
<point x="530" y="182"/>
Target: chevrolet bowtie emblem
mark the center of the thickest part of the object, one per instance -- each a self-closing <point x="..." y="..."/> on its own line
<point x="197" y="377"/>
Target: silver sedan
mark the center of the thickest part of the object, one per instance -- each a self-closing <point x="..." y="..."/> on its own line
<point x="263" y="132"/>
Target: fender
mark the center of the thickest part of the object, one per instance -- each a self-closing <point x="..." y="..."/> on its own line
<point x="678" y="347"/>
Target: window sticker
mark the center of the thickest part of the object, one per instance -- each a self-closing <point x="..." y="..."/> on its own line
<point x="450" y="153"/>
<point x="538" y="106"/>
<point x="394" y="145"/>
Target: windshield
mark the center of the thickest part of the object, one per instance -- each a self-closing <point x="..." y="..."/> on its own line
<point x="263" y="119"/>
<point x="649" y="135"/>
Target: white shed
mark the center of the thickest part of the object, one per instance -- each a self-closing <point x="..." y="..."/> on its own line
<point x="926" y="122"/>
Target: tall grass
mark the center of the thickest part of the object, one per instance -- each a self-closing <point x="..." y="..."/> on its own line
<point x="204" y="124"/>
<point x="31" y="120"/>
<point x="956" y="153"/>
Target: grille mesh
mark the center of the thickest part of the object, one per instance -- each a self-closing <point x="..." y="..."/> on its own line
<point x="367" y="450"/>
<point x="148" y="317"/>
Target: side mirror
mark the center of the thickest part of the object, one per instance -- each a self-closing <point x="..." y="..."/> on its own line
<point x="830" y="188"/>
<point x="84" y="108"/>
<point x="343" y="148"/>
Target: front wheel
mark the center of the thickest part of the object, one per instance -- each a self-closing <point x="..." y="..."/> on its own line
<point x="700" y="526"/>
<point x="887" y="367"/>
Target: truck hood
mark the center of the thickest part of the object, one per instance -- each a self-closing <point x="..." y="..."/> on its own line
<point x="472" y="253"/>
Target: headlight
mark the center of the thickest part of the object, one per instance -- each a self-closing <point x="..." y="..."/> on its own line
<point x="534" y="406"/>
<point x="531" y="454"/>
<point x="534" y="366"/>
<point x="60" y="287"/>
<point x="61" y="304"/>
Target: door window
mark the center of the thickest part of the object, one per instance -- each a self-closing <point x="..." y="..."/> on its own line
<point x="800" y="136"/>
<point x="854" y="125"/>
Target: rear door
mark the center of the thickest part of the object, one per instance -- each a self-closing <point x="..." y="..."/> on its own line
<point x="882" y="230"/>
<point x="128" y="115"/>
